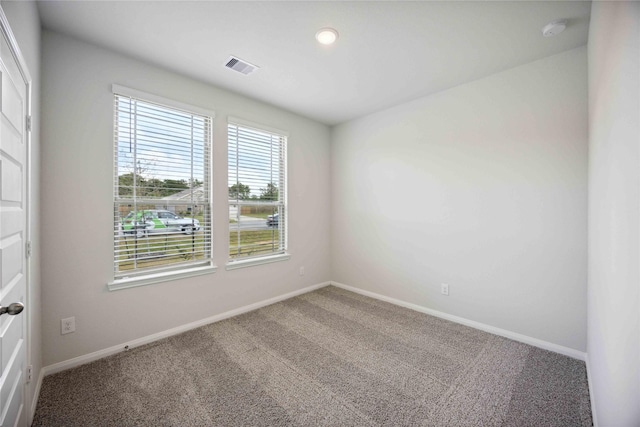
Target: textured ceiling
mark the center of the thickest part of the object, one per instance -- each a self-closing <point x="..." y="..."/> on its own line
<point x="388" y="52"/>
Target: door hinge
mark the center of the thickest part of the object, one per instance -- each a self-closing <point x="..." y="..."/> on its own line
<point x="28" y="249"/>
<point x="28" y="123"/>
<point x="29" y="373"/>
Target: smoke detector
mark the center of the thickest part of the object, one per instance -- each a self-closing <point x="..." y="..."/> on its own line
<point x="554" y="28"/>
<point x="240" y="66"/>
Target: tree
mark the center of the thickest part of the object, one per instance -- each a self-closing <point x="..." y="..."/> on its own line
<point x="239" y="191"/>
<point x="270" y="193"/>
<point x="194" y="182"/>
<point x="133" y="172"/>
<point x="172" y="186"/>
<point x="125" y="184"/>
<point x="154" y="188"/>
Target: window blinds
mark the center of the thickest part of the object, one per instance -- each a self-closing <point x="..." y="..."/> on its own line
<point x="257" y="191"/>
<point x="162" y="206"/>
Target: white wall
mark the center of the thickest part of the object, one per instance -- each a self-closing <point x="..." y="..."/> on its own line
<point x="614" y="212"/>
<point x="77" y="144"/>
<point x="483" y="187"/>
<point x="25" y="24"/>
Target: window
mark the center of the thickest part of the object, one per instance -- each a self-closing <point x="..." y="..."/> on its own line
<point x="162" y="182"/>
<point x="257" y="193"/>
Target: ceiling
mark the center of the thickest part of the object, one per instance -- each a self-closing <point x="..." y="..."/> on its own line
<point x="388" y="52"/>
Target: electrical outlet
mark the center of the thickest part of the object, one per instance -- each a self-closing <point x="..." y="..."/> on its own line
<point x="444" y="289"/>
<point x="67" y="325"/>
<point x="302" y="271"/>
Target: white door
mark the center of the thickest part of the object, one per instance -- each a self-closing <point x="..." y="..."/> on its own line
<point x="13" y="229"/>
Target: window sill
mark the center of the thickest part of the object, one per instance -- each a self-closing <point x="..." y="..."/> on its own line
<point x="234" y="265"/>
<point x="149" y="279"/>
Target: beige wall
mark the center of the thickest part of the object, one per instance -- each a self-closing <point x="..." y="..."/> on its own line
<point x="77" y="204"/>
<point x="482" y="187"/>
<point x="614" y="212"/>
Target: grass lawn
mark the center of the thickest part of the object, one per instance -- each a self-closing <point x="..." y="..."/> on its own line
<point x="158" y="250"/>
<point x="253" y="242"/>
<point x="261" y="215"/>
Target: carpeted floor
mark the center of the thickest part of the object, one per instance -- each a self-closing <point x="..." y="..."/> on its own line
<point x="332" y="358"/>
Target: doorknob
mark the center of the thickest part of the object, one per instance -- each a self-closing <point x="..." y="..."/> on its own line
<point x="13" y="309"/>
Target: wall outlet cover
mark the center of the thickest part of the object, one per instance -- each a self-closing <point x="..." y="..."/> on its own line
<point x="67" y="325"/>
<point x="444" y="289"/>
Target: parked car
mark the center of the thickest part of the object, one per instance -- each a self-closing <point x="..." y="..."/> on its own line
<point x="158" y="221"/>
<point x="272" y="220"/>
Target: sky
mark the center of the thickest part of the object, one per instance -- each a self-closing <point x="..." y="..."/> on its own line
<point x="164" y="142"/>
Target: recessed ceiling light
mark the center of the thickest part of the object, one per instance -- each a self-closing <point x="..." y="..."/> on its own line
<point x="554" y="28"/>
<point x="326" y="35"/>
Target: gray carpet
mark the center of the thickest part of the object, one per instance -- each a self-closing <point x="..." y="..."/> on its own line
<point x="332" y="358"/>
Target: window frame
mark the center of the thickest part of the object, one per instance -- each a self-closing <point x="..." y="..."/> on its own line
<point x="284" y="255"/>
<point x="168" y="273"/>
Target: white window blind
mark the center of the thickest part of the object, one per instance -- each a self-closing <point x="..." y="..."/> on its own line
<point x="257" y="191"/>
<point x="162" y="182"/>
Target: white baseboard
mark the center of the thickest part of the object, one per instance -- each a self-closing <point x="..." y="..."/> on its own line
<point x="594" y="417"/>
<point x="477" y="325"/>
<point x="36" y="395"/>
<point x="81" y="360"/>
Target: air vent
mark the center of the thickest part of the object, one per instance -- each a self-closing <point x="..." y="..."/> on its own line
<point x="240" y="66"/>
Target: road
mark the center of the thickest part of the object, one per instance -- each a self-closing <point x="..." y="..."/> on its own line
<point x="250" y="223"/>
